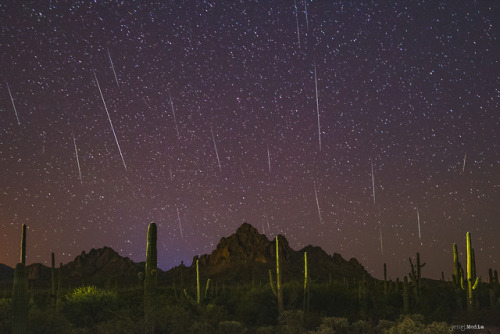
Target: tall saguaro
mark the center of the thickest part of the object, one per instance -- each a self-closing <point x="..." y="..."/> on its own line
<point x="472" y="280"/>
<point x="150" y="277"/>
<point x="23" y="245"/>
<point x="20" y="293"/>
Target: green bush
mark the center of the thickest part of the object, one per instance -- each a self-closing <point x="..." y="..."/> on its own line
<point x="88" y="305"/>
<point x="414" y="324"/>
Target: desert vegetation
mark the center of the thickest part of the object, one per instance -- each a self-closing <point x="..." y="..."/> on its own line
<point x="277" y="305"/>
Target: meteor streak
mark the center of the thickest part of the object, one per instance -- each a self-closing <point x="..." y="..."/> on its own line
<point x="215" y="146"/>
<point x="173" y="112"/>
<point x="465" y="158"/>
<point x="13" y="105"/>
<point x="418" y="222"/>
<point x="77" y="160"/>
<point x="317" y="103"/>
<point x="180" y="226"/>
<point x="381" y="242"/>
<point x="297" y="19"/>
<point x="317" y="203"/>
<point x="110" y="123"/>
<point x="373" y="182"/>
<point x="268" y="159"/>
<point x="113" y="67"/>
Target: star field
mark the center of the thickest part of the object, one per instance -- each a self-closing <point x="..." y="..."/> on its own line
<point x="330" y="125"/>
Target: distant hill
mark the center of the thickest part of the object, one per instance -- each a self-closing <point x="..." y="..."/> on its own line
<point x="242" y="257"/>
<point x="248" y="255"/>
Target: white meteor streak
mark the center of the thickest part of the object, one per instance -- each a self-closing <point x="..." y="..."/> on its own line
<point x="180" y="226"/>
<point x="113" y="67"/>
<point x="373" y="182"/>
<point x="418" y="222"/>
<point x="297" y="19"/>
<point x="381" y="242"/>
<point x="77" y="160"/>
<point x="13" y="105"/>
<point x="110" y="123"/>
<point x="465" y="158"/>
<point x="215" y="146"/>
<point x="317" y="203"/>
<point x="267" y="221"/>
<point x="269" y="159"/>
<point x="317" y="103"/>
<point x="307" y="20"/>
<point x="173" y="113"/>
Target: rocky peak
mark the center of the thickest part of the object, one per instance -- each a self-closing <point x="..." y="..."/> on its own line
<point x="247" y="252"/>
<point x="247" y="245"/>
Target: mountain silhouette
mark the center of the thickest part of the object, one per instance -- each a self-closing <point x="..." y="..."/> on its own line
<point x="243" y="257"/>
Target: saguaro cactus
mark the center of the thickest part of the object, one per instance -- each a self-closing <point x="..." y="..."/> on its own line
<point x="150" y="275"/>
<point x="198" y="287"/>
<point x="306" y="286"/>
<point x="385" y="279"/>
<point x="59" y="288"/>
<point x="406" y="296"/>
<point x="458" y="277"/>
<point x="492" y="289"/>
<point x="20" y="293"/>
<point x="198" y="297"/>
<point x="416" y="278"/>
<point x="363" y="297"/>
<point x="19" y="300"/>
<point x="277" y="292"/>
<point x="23" y="244"/>
<point x="53" y="283"/>
<point x="472" y="280"/>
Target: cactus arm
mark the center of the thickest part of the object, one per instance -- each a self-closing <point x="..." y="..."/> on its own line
<point x="207" y="287"/>
<point x="475" y="283"/>
<point x="272" y="283"/>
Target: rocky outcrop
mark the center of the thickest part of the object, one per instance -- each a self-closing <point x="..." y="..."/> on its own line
<point x="101" y="266"/>
<point x="248" y="255"/>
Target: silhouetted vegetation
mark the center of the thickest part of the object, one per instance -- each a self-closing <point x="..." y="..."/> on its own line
<point x="305" y="306"/>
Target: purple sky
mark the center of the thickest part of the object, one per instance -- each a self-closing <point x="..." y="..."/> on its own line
<point x="411" y="88"/>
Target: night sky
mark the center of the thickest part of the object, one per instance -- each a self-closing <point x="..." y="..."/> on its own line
<point x="330" y="122"/>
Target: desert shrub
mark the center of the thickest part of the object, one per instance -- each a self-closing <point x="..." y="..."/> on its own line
<point x="360" y="327"/>
<point x="45" y="321"/>
<point x="88" y="305"/>
<point x="265" y="330"/>
<point x="257" y="307"/>
<point x="201" y="327"/>
<point x="175" y="318"/>
<point x="291" y="321"/>
<point x="213" y="314"/>
<point x="334" y="300"/>
<point x="437" y="328"/>
<point x="5" y="315"/>
<point x="120" y="325"/>
<point x="408" y="324"/>
<point x="384" y="325"/>
<point x="338" y="325"/>
<point x="231" y="327"/>
<point x="414" y="323"/>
